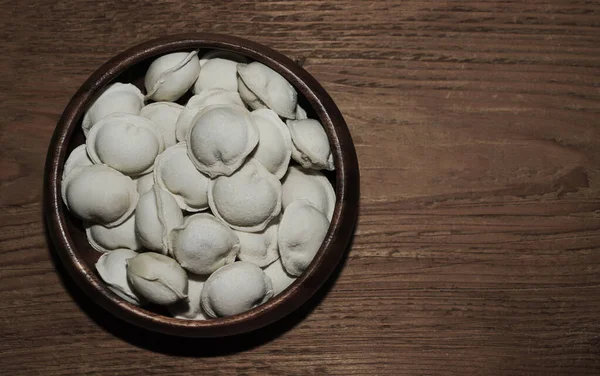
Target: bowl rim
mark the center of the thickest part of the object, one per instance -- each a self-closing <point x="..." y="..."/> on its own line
<point x="331" y="251"/>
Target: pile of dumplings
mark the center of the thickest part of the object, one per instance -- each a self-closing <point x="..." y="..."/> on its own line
<point x="209" y="208"/>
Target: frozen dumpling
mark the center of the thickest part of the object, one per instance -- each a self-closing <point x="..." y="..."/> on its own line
<point x="249" y="97"/>
<point x="106" y="239"/>
<point x="77" y="158"/>
<point x="310" y="145"/>
<point x="157" y="278"/>
<point x="157" y="213"/>
<point x="190" y="309"/>
<point x="171" y="75"/>
<point x="279" y="277"/>
<point x="112" y="268"/>
<point x="99" y="194"/>
<point x="117" y="98"/>
<point x="127" y="143"/>
<point x="248" y="199"/>
<point x="275" y="144"/>
<point x="270" y="87"/>
<point x="301" y="233"/>
<point x="300" y="113"/>
<point x="259" y="248"/>
<point x="175" y="173"/>
<point x="200" y="101"/>
<point x="302" y="183"/>
<point x="164" y="115"/>
<point x="220" y="139"/>
<point x="235" y="288"/>
<point x="203" y="244"/>
<point x="144" y="183"/>
<point x="217" y="73"/>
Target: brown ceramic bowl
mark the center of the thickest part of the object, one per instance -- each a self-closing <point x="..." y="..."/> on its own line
<point x="130" y="66"/>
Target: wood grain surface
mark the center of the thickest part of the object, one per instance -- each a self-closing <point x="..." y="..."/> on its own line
<point x="477" y="126"/>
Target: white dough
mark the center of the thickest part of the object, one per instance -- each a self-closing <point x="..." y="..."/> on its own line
<point x="249" y="97"/>
<point x="164" y="115"/>
<point x="300" y="113"/>
<point x="144" y="183"/>
<point x="275" y="144"/>
<point x="235" y="288"/>
<point x="203" y="244"/>
<point x="301" y="233"/>
<point x="259" y="248"/>
<point x="198" y="102"/>
<point x="77" y="158"/>
<point x="190" y="309"/>
<point x="220" y="139"/>
<point x="306" y="184"/>
<point x="217" y="73"/>
<point x="117" y="98"/>
<point x="99" y="194"/>
<point x="127" y="143"/>
<point x="106" y="239"/>
<point x="270" y="87"/>
<point x="171" y="75"/>
<point x="112" y="268"/>
<point x="310" y="144"/>
<point x="279" y="277"/>
<point x="175" y="173"/>
<point x="157" y="278"/>
<point x="248" y="199"/>
<point x="157" y="213"/>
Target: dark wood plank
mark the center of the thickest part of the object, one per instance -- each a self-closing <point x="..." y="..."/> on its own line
<point x="477" y="125"/>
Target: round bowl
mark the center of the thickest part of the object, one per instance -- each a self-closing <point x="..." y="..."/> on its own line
<point x="68" y="234"/>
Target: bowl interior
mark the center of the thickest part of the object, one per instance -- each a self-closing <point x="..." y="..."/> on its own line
<point x="135" y="75"/>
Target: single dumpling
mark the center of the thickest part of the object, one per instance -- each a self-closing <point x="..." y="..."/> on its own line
<point x="259" y="248"/>
<point x="220" y="139"/>
<point x="171" y="75"/>
<point x="117" y="98"/>
<point x="164" y="115"/>
<point x="190" y="309"/>
<point x="279" y="277"/>
<point x="217" y="73"/>
<point x="300" y="113"/>
<point x="249" y="97"/>
<point x="270" y="87"/>
<point x="305" y="184"/>
<point x="112" y="268"/>
<point x="176" y="174"/>
<point x="77" y="158"/>
<point x="106" y="239"/>
<point x="235" y="288"/>
<point x="301" y="233"/>
<point x="144" y="183"/>
<point x="157" y="278"/>
<point x="310" y="144"/>
<point x="275" y="144"/>
<point x="203" y="244"/>
<point x="99" y="194"/>
<point x="127" y="143"/>
<point x="157" y="213"/>
<point x="248" y="199"/>
<point x="198" y="102"/>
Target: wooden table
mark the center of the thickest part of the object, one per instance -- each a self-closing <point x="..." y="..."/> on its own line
<point x="477" y="126"/>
